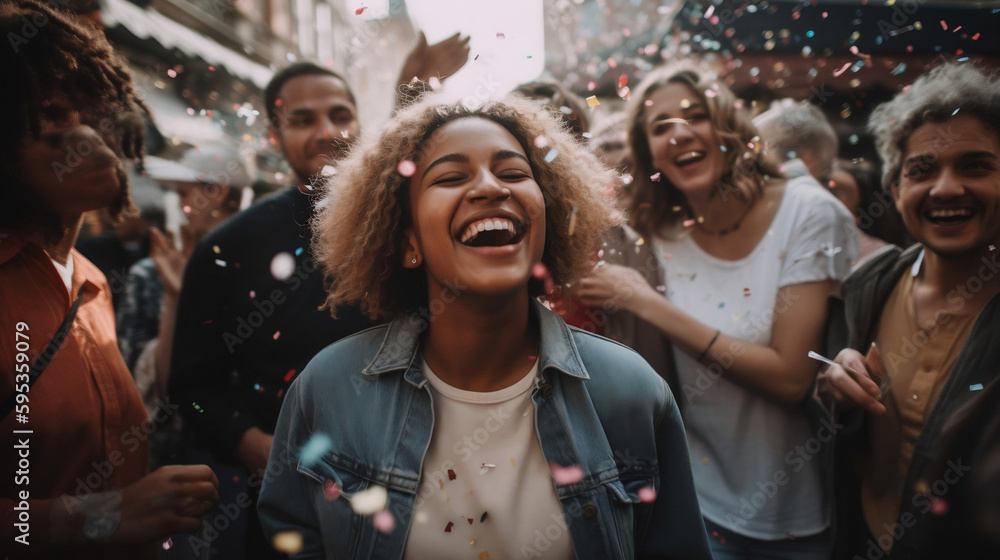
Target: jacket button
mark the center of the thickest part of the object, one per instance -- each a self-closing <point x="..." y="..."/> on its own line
<point x="589" y="511"/>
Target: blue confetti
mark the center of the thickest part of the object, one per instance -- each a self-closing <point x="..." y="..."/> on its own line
<point x="299" y="251"/>
<point x="549" y="157"/>
<point x="314" y="449"/>
<point x="976" y="387"/>
<point x="899" y="69"/>
<point x="955" y="112"/>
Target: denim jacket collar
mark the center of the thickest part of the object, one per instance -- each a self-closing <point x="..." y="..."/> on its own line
<point x="557" y="349"/>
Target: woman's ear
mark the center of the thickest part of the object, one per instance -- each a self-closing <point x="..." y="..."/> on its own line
<point x="411" y="249"/>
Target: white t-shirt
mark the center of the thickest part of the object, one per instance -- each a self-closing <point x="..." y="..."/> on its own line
<point x="485" y="489"/>
<point x="66" y="272"/>
<point x="754" y="463"/>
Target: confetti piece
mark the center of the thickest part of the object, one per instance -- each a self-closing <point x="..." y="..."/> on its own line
<point x="289" y="375"/>
<point x="689" y="222"/>
<point x="289" y="542"/>
<point x="921" y="487"/>
<point x="384" y="522"/>
<point x="299" y="251"/>
<point x="976" y="387"/>
<point x="939" y="506"/>
<point x="168" y="544"/>
<point x="593" y="101"/>
<point x="282" y="266"/>
<point x="512" y="462"/>
<point x="328" y="171"/>
<point x="253" y="294"/>
<point x="420" y="517"/>
<point x="647" y="495"/>
<point x="406" y="168"/>
<point x="655" y="177"/>
<point x="370" y="501"/>
<point x="451" y="474"/>
<point x="360" y="10"/>
<point x="331" y="491"/>
<point x="549" y="157"/>
<point x="220" y="262"/>
<point x="216" y="250"/>
<point x="482" y="518"/>
<point x="501" y="36"/>
<point x="447" y="528"/>
<point x="572" y="221"/>
<point x="484" y="555"/>
<point x="315" y="448"/>
<point x="276" y="335"/>
<point x="944" y="25"/>
<point x="469" y="520"/>
<point x="837" y="73"/>
<point x="746" y="292"/>
<point x="566" y="475"/>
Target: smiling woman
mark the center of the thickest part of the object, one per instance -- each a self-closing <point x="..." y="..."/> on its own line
<point x="484" y="423"/>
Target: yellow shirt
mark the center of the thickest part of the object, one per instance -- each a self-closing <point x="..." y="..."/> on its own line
<point x="918" y="360"/>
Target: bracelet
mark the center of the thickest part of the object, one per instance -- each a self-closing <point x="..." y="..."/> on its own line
<point x="710" y="344"/>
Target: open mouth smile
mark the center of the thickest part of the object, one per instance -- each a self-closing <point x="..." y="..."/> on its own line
<point x="949" y="216"/>
<point x="688" y="158"/>
<point x="492" y="232"/>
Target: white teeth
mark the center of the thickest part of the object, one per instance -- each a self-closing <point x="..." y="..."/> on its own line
<point x="949" y="212"/>
<point x="684" y="158"/>
<point x="489" y="224"/>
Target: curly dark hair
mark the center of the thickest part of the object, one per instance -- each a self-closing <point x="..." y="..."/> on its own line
<point x="49" y="53"/>
<point x="361" y="222"/>
<point x="651" y="206"/>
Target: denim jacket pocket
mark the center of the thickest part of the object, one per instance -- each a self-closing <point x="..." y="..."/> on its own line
<point x="337" y="512"/>
<point x="631" y="514"/>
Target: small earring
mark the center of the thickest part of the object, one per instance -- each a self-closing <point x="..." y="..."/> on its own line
<point x="413" y="260"/>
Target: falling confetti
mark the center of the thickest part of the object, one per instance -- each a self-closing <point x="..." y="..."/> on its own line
<point x="501" y="36"/>
<point x="328" y="170"/>
<point x="276" y="335"/>
<point x="331" y="491"/>
<point x="315" y="448"/>
<point x="746" y="292"/>
<point x="976" y="387"/>
<point x="566" y="475"/>
<point x="360" y="10"/>
<point x="549" y="157"/>
<point x="655" y="177"/>
<point x="541" y="141"/>
<point x="484" y="555"/>
<point x="384" y="522"/>
<point x="289" y="542"/>
<point x="451" y="474"/>
<point x="688" y="223"/>
<point x="647" y="495"/>
<point x="921" y="487"/>
<point x="220" y="262"/>
<point x="572" y="221"/>
<point x="168" y="544"/>
<point x="592" y="101"/>
<point x="939" y="506"/>
<point x="447" y="528"/>
<point x="216" y="250"/>
<point x="370" y="501"/>
<point x="282" y="266"/>
<point x="482" y="518"/>
<point x="406" y="168"/>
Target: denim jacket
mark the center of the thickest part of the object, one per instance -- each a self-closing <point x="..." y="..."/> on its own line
<point x="597" y="405"/>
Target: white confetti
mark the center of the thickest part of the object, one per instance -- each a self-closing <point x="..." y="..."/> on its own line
<point x="282" y="266"/>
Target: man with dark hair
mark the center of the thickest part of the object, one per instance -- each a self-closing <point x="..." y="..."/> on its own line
<point x="930" y="315"/>
<point x="248" y="318"/>
<point x="72" y="419"/>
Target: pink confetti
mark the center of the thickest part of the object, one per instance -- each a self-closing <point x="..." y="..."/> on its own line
<point x="566" y="475"/>
<point x="253" y="294"/>
<point x="956" y="29"/>
<point x="406" y="168"/>
<point x="688" y="223"/>
<point x="612" y="63"/>
<point x="655" y="177"/>
<point x="501" y="36"/>
<point x="647" y="495"/>
<point x="289" y="375"/>
<point x="276" y="335"/>
<point x="168" y="544"/>
<point x="975" y="37"/>
<point x="939" y="506"/>
<point x="837" y="73"/>
<point x="360" y="10"/>
<point x="746" y="292"/>
<point x="944" y="25"/>
<point x="330" y="490"/>
<point x="384" y="522"/>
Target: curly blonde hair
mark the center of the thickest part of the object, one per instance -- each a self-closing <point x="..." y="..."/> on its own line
<point x="651" y="206"/>
<point x="361" y="221"/>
